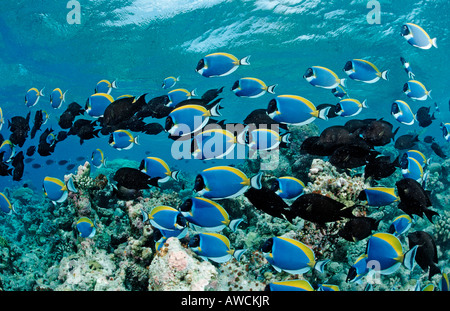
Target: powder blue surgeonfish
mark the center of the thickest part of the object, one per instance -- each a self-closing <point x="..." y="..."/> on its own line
<point x="161" y="236"/>
<point x="251" y="87"/>
<point x="411" y="168"/>
<point x="364" y="71"/>
<point x="288" y="187"/>
<point x="178" y="95"/>
<point x="213" y="144"/>
<point x="323" y="77"/>
<point x="400" y="225"/>
<point x="419" y="156"/>
<point x="416" y="90"/>
<point x="206" y="215"/>
<point x="6" y="206"/>
<point x="214" y="246"/>
<point x="350" y="107"/>
<point x="188" y="119"/>
<point x="56" y="190"/>
<point x="8" y="150"/>
<point x="170" y="82"/>
<point x="358" y="270"/>
<point x="224" y="182"/>
<point x="402" y="112"/>
<point x="339" y="92"/>
<point x="385" y="254"/>
<point x="98" y="158"/>
<point x="123" y="140"/>
<point x="263" y="138"/>
<point x="291" y="256"/>
<point x="220" y="64"/>
<point x="57" y="98"/>
<point x="417" y="37"/>
<point x="296" y="110"/>
<point x="32" y="96"/>
<point x="158" y="168"/>
<point x="86" y="228"/>
<point x="165" y="218"/>
<point x="104" y="86"/>
<point x="97" y="104"/>
<point x="379" y="196"/>
<point x="290" y="285"/>
<point x="445" y="127"/>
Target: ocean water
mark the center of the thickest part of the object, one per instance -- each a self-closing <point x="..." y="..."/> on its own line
<point x="140" y="42"/>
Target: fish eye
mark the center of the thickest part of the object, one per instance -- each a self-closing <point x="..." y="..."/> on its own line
<point x="200" y="65"/>
<point x="186" y="206"/>
<point x="272" y="107"/>
<point x="267" y="247"/>
<point x="348" y="66"/>
<point x="194" y="241"/>
<point x="309" y="72"/>
<point x="199" y="183"/>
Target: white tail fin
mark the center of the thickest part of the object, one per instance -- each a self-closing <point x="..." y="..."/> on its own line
<point x="429" y="94"/>
<point x="385" y="74"/>
<point x="271" y="88"/>
<point x="245" y="60"/>
<point x="70" y="185"/>
<point x="409" y="258"/>
<point x="285" y="138"/>
<point x="104" y="162"/>
<point x="174" y="175"/>
<point x="215" y="110"/>
<point x="320" y="265"/>
<point x="238" y="253"/>
<point x="433" y="42"/>
<point x="364" y="104"/>
<point x="64" y="96"/>
<point x="235" y="223"/>
<point x="255" y="181"/>
<point x="136" y="140"/>
<point x="323" y="113"/>
<point x="343" y="82"/>
<point x="193" y="92"/>
<point x="144" y="215"/>
<point x="114" y="84"/>
<point x="41" y="92"/>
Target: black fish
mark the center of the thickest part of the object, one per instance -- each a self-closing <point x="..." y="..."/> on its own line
<point x="36" y="165"/>
<point x="378" y="133"/>
<point x="259" y="116"/>
<point x="18" y="165"/>
<point x="414" y="200"/>
<point x="359" y="228"/>
<point x="428" y="139"/>
<point x="426" y="255"/>
<point x="126" y="194"/>
<point x="70" y="166"/>
<point x="155" y="108"/>
<point x="28" y="160"/>
<point x="320" y="209"/>
<point x="62" y="135"/>
<point x="84" y="129"/>
<point x="19" y="127"/>
<point x="437" y="149"/>
<point x="406" y="141"/>
<point x="44" y="148"/>
<point x="31" y="150"/>
<point x="211" y="94"/>
<point x="68" y="116"/>
<point x="121" y="110"/>
<point x="381" y="167"/>
<point x="269" y="202"/>
<point x="423" y="116"/>
<point x="38" y="121"/>
<point x="62" y="162"/>
<point x="132" y="178"/>
<point x="49" y="162"/>
<point x="356" y="125"/>
<point x="80" y="158"/>
<point x="331" y="112"/>
<point x="352" y="156"/>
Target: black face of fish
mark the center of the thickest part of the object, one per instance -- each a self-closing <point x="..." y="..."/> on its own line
<point x="405" y="87"/>
<point x="194" y="241"/>
<point x="394" y="108"/>
<point x="337" y="108"/>
<point x="404" y="31"/>
<point x="181" y="220"/>
<point x="404" y="161"/>
<point x="272" y="107"/>
<point x="352" y="273"/>
<point x="309" y="73"/>
<point x="235" y="85"/>
<point x="348" y="66"/>
<point x="186" y="206"/>
<point x="199" y="183"/>
<point x="200" y="64"/>
<point x="402" y="60"/>
<point x="275" y="186"/>
<point x="267" y="246"/>
<point x="169" y="124"/>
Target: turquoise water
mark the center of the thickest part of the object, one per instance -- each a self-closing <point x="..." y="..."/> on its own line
<point x="138" y="43"/>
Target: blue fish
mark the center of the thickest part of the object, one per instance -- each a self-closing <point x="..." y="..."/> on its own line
<point x="220" y="64"/>
<point x="252" y="87"/>
<point x="2" y="120"/>
<point x="263" y="139"/>
<point x="402" y="112"/>
<point x="123" y="140"/>
<point x="296" y="110"/>
<point x="32" y="96"/>
<point x="385" y="254"/>
<point x="364" y="71"/>
<point x="400" y="225"/>
<point x="188" y="119"/>
<point x="158" y="168"/>
<point x="417" y="36"/>
<point x="170" y="82"/>
<point x="291" y="256"/>
<point x="86" y="228"/>
<point x="98" y="158"/>
<point x="416" y="90"/>
<point x="57" y="98"/>
<point x="6" y="206"/>
<point x="8" y="150"/>
<point x="206" y="215"/>
<point x="290" y="285"/>
<point x="56" y="190"/>
<point x="444" y="284"/>
<point x="166" y="218"/>
<point x="419" y="156"/>
<point x="214" y="246"/>
<point x="358" y="270"/>
<point x="161" y="236"/>
<point x="224" y="182"/>
<point x="407" y="67"/>
<point x="104" y="86"/>
<point x="178" y="95"/>
<point x="50" y="139"/>
<point x="445" y="127"/>
<point x="350" y="107"/>
<point x="327" y="288"/>
<point x="97" y="104"/>
<point x="411" y="168"/>
<point x="380" y="196"/>
<point x="323" y="77"/>
<point x="213" y="144"/>
<point x="288" y="187"/>
<point x="339" y="92"/>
